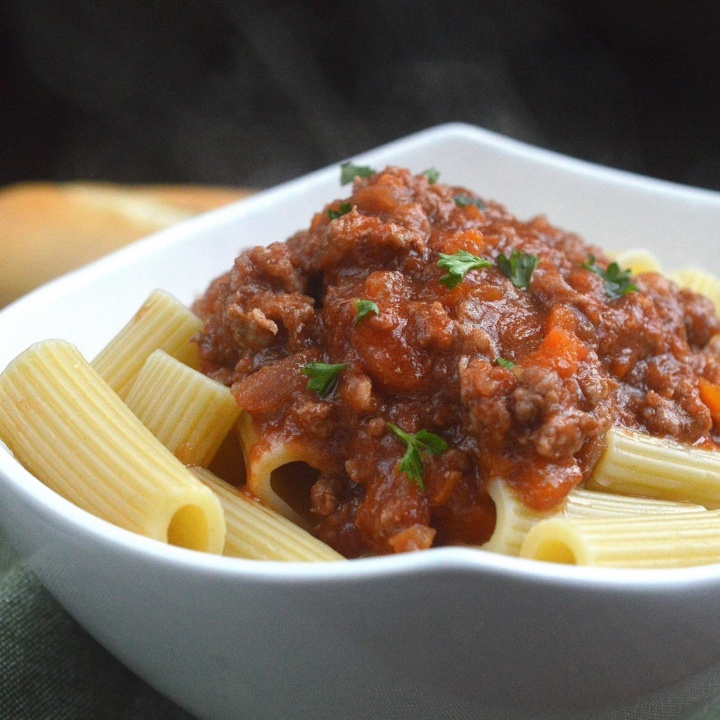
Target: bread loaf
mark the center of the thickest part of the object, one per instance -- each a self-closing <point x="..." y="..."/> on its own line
<point x="47" y="229"/>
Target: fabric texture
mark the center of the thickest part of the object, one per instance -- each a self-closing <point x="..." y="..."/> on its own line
<point x="51" y="669"/>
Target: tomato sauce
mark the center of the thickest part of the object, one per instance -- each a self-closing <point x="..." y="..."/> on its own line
<point x="518" y="369"/>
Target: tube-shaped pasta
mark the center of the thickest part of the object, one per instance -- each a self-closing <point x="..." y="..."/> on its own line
<point x="583" y="503"/>
<point x="638" y="464"/>
<point x="66" y="426"/>
<point x="258" y="533"/>
<point x="162" y="322"/>
<point x="263" y="457"/>
<point x="637" y="260"/>
<point x="700" y="281"/>
<point x="187" y="411"/>
<point x="645" y="541"/>
<point x="514" y="519"/>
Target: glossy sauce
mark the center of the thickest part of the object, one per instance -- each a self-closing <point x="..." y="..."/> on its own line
<point x="428" y="359"/>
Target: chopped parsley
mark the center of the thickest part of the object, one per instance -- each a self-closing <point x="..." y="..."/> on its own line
<point x="507" y="364"/>
<point x="323" y="377"/>
<point x="349" y="171"/>
<point x="365" y="307"/>
<point x="422" y="440"/>
<point x="345" y="208"/>
<point x="465" y="200"/>
<point x="518" y="268"/>
<point x="432" y="174"/>
<point x="457" y="265"/>
<point x="617" y="281"/>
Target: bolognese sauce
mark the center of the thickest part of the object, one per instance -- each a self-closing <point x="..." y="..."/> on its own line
<point x="420" y="341"/>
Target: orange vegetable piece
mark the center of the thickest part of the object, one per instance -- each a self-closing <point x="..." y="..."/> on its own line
<point x="562" y="317"/>
<point x="560" y="350"/>
<point x="710" y="395"/>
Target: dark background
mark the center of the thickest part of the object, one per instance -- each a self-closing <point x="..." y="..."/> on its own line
<point x="251" y="93"/>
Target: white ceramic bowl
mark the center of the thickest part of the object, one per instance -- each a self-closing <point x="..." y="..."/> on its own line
<point x="446" y="633"/>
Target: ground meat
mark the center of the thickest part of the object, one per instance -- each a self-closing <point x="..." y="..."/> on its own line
<point x="698" y="314"/>
<point x="515" y="377"/>
<point x="255" y="314"/>
<point x="485" y="398"/>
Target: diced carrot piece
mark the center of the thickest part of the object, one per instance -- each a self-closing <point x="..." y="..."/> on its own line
<point x="470" y="240"/>
<point x="710" y="395"/>
<point x="562" y="317"/>
<point x="560" y="350"/>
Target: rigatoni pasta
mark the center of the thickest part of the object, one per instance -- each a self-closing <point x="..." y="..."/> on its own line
<point x="258" y="533"/>
<point x="642" y="541"/>
<point x="638" y="260"/>
<point x="186" y="410"/>
<point x="162" y="323"/>
<point x="67" y="426"/>
<point x="265" y="458"/>
<point x="515" y="519"/>
<point x="638" y="464"/>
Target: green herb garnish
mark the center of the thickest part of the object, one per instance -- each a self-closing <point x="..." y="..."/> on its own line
<point x="349" y="171"/>
<point x="345" y="208"/>
<point x="507" y="364"/>
<point x="423" y="440"/>
<point x="323" y="377"/>
<point x="465" y="200"/>
<point x="457" y="265"/>
<point x="365" y="307"/>
<point x="432" y="174"/>
<point x="518" y="268"/>
<point x="617" y="281"/>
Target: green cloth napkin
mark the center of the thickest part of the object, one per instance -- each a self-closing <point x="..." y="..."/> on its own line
<point x="51" y="669"/>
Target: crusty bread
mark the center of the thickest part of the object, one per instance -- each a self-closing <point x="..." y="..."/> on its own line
<point x="47" y="229"/>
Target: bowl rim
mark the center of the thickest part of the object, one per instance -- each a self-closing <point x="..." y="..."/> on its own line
<point x="57" y="509"/>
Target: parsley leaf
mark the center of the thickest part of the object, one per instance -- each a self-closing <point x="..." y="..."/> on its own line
<point x="365" y="307"/>
<point x="345" y="208"/>
<point x="423" y="440"/>
<point x="323" y="377"/>
<point x="432" y="174"/>
<point x="349" y="171"/>
<point x="457" y="265"/>
<point x="465" y="200"/>
<point x="617" y="281"/>
<point x="518" y="268"/>
<point x="507" y="364"/>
